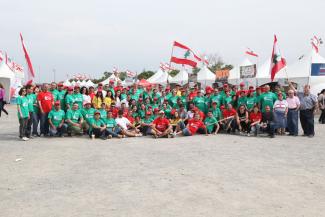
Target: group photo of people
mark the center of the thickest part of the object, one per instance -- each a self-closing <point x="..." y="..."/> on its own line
<point x="113" y="111"/>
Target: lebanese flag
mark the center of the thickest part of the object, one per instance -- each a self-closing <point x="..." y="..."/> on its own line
<point x="130" y="74"/>
<point x="251" y="53"/>
<point x="315" y="42"/>
<point x="277" y="61"/>
<point x="184" y="55"/>
<point x="30" y="74"/>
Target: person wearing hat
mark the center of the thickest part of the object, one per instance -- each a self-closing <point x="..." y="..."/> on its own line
<point x="69" y="100"/>
<point x="161" y="126"/>
<point x="200" y="101"/>
<point x="194" y="125"/>
<point x="216" y="112"/>
<point x="77" y="97"/>
<point x="228" y="122"/>
<point x="74" y="120"/>
<point x="227" y="98"/>
<point x="146" y="124"/>
<point x="173" y="98"/>
<point x="54" y="91"/>
<point x="97" y="127"/>
<point x="251" y="100"/>
<point x="60" y="95"/>
<point x="88" y="115"/>
<point x="56" y="120"/>
<point x="127" y="129"/>
<point x="155" y="104"/>
<point x="216" y="97"/>
<point x="23" y="113"/>
<point x="242" y="100"/>
<point x="103" y="111"/>
<point x="280" y="109"/>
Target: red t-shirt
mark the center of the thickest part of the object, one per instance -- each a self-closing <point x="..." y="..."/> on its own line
<point x="46" y="100"/>
<point x="194" y="125"/>
<point x="227" y="113"/>
<point x="131" y="119"/>
<point x="255" y="117"/>
<point x="161" y="124"/>
<point x="114" y="112"/>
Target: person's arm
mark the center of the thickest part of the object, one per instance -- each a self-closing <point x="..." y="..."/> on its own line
<point x="247" y="119"/>
<point x="40" y="107"/>
<point x="291" y="86"/>
<point x="51" y="124"/>
<point x="19" y="111"/>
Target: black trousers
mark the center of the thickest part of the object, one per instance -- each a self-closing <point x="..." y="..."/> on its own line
<point x="322" y="117"/>
<point x="307" y="121"/>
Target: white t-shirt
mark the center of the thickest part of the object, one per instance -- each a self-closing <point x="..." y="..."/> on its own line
<point x="86" y="98"/>
<point x="123" y="122"/>
<point x="280" y="105"/>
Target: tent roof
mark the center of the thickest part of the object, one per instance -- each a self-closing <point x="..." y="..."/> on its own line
<point x="144" y="83"/>
<point x="5" y="71"/>
<point x="180" y="78"/>
<point x="205" y="75"/>
<point x="160" y="77"/>
<point x="235" y="72"/>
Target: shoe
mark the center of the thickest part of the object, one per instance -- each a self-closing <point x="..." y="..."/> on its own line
<point x="172" y="135"/>
<point x="310" y="136"/>
<point x="248" y="134"/>
<point x="272" y="136"/>
<point x="25" y="138"/>
<point x="119" y="136"/>
<point x="103" y="137"/>
<point x="109" y="136"/>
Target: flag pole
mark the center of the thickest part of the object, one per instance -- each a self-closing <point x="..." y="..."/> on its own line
<point x="170" y="62"/>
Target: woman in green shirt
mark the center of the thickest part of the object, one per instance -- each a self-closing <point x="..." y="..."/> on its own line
<point x="23" y="113"/>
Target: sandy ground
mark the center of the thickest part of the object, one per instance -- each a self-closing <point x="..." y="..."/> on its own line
<point x="196" y="176"/>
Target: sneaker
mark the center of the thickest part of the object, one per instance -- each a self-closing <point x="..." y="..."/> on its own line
<point x="248" y="134"/>
<point x="119" y="136"/>
<point x="109" y="136"/>
<point x="172" y="135"/>
<point x="25" y="138"/>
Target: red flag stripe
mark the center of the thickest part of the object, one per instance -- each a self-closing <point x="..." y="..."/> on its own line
<point x="29" y="62"/>
<point x="251" y="53"/>
<point x="183" y="61"/>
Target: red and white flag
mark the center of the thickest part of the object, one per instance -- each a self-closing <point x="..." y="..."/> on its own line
<point x="30" y="74"/>
<point x="115" y="70"/>
<point x="315" y="43"/>
<point x="251" y="52"/>
<point x="277" y="61"/>
<point x="130" y="74"/>
<point x="184" y="55"/>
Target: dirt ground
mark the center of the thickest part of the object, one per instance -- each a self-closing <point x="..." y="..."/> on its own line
<point x="223" y="175"/>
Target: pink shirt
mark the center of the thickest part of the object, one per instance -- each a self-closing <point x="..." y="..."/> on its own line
<point x="293" y="102"/>
<point x="2" y="93"/>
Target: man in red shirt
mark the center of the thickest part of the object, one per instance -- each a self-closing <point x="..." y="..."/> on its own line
<point x="193" y="126"/>
<point x="45" y="101"/>
<point x="255" y="118"/>
<point x="161" y="126"/>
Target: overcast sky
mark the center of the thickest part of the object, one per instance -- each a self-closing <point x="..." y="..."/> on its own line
<point x="91" y="37"/>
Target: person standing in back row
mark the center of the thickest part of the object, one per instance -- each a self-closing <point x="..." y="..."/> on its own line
<point x="308" y="107"/>
<point x="45" y="102"/>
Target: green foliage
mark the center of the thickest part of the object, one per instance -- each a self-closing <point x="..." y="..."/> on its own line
<point x="145" y="74"/>
<point x="173" y="72"/>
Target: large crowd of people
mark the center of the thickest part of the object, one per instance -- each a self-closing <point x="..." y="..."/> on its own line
<point x="108" y="111"/>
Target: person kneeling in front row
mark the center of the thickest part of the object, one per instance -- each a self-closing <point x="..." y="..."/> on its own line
<point x="193" y="126"/>
<point x="97" y="127"/>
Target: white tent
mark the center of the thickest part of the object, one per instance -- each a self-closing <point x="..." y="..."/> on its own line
<point x="206" y="77"/>
<point x="73" y="83"/>
<point x="83" y="83"/>
<point x="6" y="79"/>
<point x="113" y="77"/>
<point x="67" y="83"/>
<point x="89" y="83"/>
<point x="181" y="78"/>
<point x="160" y="77"/>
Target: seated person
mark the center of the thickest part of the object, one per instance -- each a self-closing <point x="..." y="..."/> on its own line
<point x="242" y="120"/>
<point x="228" y="122"/>
<point x="255" y="118"/>
<point x="175" y="119"/>
<point x="146" y="124"/>
<point x="97" y="127"/>
<point x="193" y="126"/>
<point x="267" y="123"/>
<point x="74" y="120"/>
<point x="211" y="123"/>
<point x="112" y="130"/>
<point x="127" y="129"/>
<point x="161" y="126"/>
<point x="88" y="114"/>
<point x="56" y="120"/>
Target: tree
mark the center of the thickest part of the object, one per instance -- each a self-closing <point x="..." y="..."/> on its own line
<point x="173" y="72"/>
<point x="145" y="74"/>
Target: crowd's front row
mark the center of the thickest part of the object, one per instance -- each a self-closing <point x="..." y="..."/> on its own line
<point x="120" y="124"/>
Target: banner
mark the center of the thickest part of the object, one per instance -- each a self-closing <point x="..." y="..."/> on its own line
<point x="317" y="69"/>
<point x="248" y="71"/>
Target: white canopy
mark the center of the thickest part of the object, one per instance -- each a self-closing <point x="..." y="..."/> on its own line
<point x="263" y="75"/>
<point x="89" y="83"/>
<point x="83" y="83"/>
<point x="205" y="76"/>
<point x="113" y="77"/>
<point x="73" y="83"/>
<point x="181" y="78"/>
<point x="67" y="83"/>
<point x="6" y="79"/>
<point x="160" y="77"/>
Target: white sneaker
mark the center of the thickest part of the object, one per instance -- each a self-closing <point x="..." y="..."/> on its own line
<point x="25" y="139"/>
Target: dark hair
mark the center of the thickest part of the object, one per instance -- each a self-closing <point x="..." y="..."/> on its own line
<point x="120" y="112"/>
<point x="82" y="88"/>
<point x="21" y="91"/>
<point x="101" y="96"/>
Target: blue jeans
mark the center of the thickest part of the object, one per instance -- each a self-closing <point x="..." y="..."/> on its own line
<point x="36" y="119"/>
<point x="44" y="123"/>
<point x="292" y="122"/>
<point x="113" y="131"/>
<point x="59" y="131"/>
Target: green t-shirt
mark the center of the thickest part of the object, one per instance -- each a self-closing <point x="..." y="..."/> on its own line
<point x="23" y="103"/>
<point x="31" y="100"/>
<point x="60" y="96"/>
<point x="217" y="99"/>
<point x="216" y="113"/>
<point x="242" y="100"/>
<point x="103" y="114"/>
<point x="227" y="100"/>
<point x="74" y="115"/>
<point x="69" y="100"/>
<point x="110" y="123"/>
<point x="250" y="102"/>
<point x="55" y="94"/>
<point x="268" y="99"/>
<point x="78" y="98"/>
<point x="210" y="122"/>
<point x="148" y="120"/>
<point x="173" y="100"/>
<point x="88" y="114"/>
<point x="200" y="103"/>
<point x="56" y="117"/>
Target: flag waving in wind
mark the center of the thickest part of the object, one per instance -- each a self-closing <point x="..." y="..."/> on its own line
<point x="30" y="74"/>
<point x="315" y="43"/>
<point x="277" y="61"/>
<point x="184" y="55"/>
<point x="251" y="53"/>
